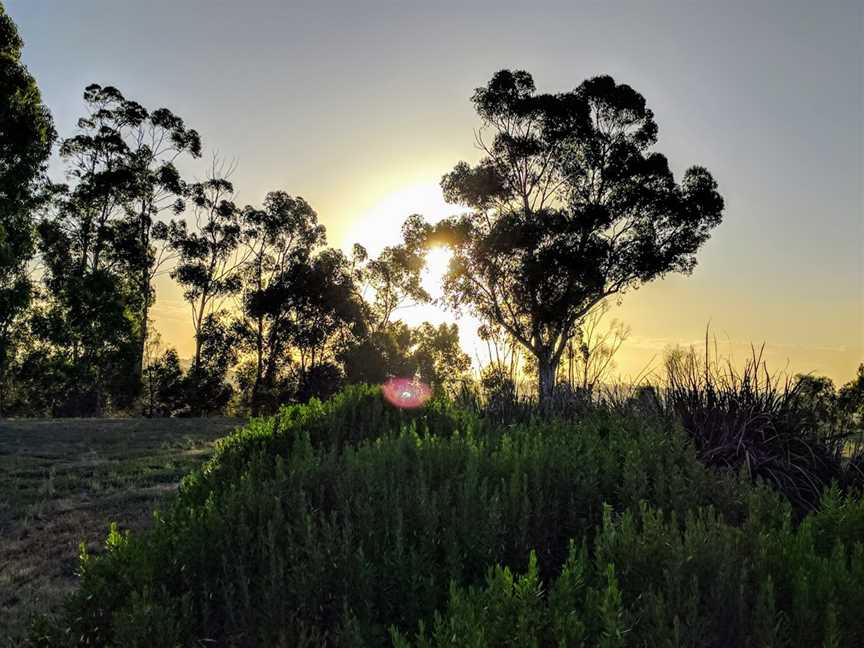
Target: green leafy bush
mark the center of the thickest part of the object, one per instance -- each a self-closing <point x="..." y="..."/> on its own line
<point x="649" y="581"/>
<point x="351" y="523"/>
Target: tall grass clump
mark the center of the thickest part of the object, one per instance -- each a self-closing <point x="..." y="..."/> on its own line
<point x="752" y="421"/>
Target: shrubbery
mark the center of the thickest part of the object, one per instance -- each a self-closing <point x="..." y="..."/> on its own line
<point x="648" y="580"/>
<point x="352" y="523"/>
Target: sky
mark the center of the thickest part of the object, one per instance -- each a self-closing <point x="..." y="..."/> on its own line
<point x="361" y="107"/>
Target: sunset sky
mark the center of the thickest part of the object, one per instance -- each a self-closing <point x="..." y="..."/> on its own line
<point x="361" y="107"/>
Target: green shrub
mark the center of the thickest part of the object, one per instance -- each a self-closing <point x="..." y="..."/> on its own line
<point x="651" y="582"/>
<point x="354" y="415"/>
<point x="350" y="523"/>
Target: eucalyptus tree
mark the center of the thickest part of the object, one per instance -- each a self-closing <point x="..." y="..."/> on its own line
<point x="154" y="187"/>
<point x="311" y="309"/>
<point x="390" y="281"/>
<point x="278" y="237"/>
<point x="323" y="307"/>
<point x="26" y="137"/>
<point x="209" y="263"/>
<point x="569" y="206"/>
<point x="394" y="276"/>
<point x="99" y="244"/>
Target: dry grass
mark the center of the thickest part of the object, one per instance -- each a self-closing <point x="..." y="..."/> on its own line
<point x="62" y="482"/>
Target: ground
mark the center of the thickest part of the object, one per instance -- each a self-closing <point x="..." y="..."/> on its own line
<point x="63" y="481"/>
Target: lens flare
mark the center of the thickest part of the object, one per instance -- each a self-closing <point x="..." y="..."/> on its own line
<point x="406" y="393"/>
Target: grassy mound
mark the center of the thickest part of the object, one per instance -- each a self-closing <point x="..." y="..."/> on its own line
<point x="350" y="523"/>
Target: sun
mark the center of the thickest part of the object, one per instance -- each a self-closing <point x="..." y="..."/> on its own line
<point x="378" y="226"/>
<point x="381" y="225"/>
<point x="437" y="264"/>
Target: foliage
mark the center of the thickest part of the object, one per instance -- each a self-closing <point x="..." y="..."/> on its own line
<point x="394" y="276"/>
<point x="850" y="400"/>
<point x="325" y="309"/>
<point x="279" y="236"/>
<point x="652" y="579"/>
<point x="432" y="353"/>
<point x="589" y="356"/>
<point x="206" y="387"/>
<point x="97" y="244"/>
<point x="26" y="137"/>
<point x="570" y="206"/>
<point x="207" y="266"/>
<point x="841" y="409"/>
<point x="284" y="537"/>
<point x="752" y="422"/>
<point x="163" y="386"/>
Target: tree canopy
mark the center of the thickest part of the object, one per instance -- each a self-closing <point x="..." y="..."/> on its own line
<point x="26" y="137"/>
<point x="569" y="206"/>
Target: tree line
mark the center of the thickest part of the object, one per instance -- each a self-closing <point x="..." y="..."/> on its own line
<point x="568" y="207"/>
<point x="277" y="315"/>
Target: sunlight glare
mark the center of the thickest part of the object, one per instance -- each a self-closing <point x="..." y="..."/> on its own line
<point x="381" y="225"/>
<point x="437" y="263"/>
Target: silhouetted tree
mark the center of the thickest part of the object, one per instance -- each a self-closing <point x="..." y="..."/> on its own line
<point x="153" y="185"/>
<point x="319" y="381"/>
<point x="394" y="277"/>
<point x="819" y="398"/>
<point x="385" y="351"/>
<point x="98" y="244"/>
<point x="26" y="136"/>
<point x="164" y="386"/>
<point x="850" y="399"/>
<point x="570" y="206"/>
<point x="284" y="233"/>
<point x="590" y="354"/>
<point x="431" y="353"/>
<point x="322" y="306"/>
<point x="207" y="262"/>
<point x="438" y="355"/>
<point x="206" y="387"/>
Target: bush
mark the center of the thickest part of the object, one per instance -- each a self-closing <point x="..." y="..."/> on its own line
<point x="352" y="523"/>
<point x="649" y="581"/>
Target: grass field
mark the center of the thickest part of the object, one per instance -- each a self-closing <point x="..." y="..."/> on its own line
<point x="63" y="481"/>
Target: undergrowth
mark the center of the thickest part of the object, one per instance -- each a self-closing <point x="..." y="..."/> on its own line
<point x="351" y="523"/>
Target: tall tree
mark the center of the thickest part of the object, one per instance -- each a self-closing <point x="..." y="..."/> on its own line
<point x="310" y="310"/>
<point x="394" y="277"/>
<point x="438" y="356"/>
<point x="26" y="136"/>
<point x="569" y="206"/>
<point x="324" y="307"/>
<point x="155" y="186"/>
<point x="98" y="243"/>
<point x="124" y="159"/>
<point x="278" y="237"/>
<point x="208" y="265"/>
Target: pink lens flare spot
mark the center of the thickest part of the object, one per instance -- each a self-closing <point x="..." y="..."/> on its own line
<point x="406" y="393"/>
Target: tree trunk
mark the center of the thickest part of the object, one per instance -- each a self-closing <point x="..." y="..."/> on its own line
<point x="141" y="342"/>
<point x="255" y="404"/>
<point x="546" y="376"/>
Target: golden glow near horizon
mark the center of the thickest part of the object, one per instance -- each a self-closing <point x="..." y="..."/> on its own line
<point x="646" y="311"/>
<point x="381" y="225"/>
